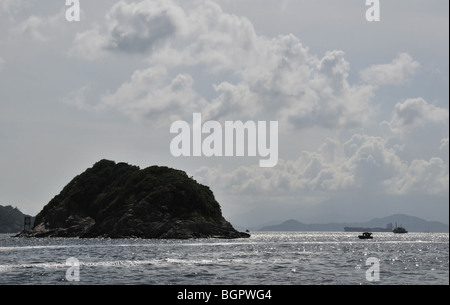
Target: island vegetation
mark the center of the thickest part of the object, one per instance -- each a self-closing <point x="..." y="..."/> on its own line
<point x="119" y="200"/>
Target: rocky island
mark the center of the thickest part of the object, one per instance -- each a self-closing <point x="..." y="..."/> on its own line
<point x="118" y="200"/>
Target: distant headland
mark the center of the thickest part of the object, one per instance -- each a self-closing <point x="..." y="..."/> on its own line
<point x="118" y="200"/>
<point x="12" y="219"/>
<point x="384" y="224"/>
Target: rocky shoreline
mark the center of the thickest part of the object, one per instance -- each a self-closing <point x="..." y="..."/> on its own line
<point x="182" y="229"/>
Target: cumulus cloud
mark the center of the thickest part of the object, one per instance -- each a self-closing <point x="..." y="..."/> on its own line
<point x="89" y="45"/>
<point x="136" y="27"/>
<point x="417" y="111"/>
<point x="359" y="164"/>
<point x="271" y="77"/>
<point x="265" y="77"/>
<point x="400" y="70"/>
<point x="151" y="92"/>
<point x="422" y="176"/>
<point x="329" y="100"/>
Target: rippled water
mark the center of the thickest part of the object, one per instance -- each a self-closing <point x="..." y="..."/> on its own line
<point x="267" y="258"/>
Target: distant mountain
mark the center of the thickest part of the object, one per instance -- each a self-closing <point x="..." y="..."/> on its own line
<point x="294" y="225"/>
<point x="11" y="219"/>
<point x="411" y="223"/>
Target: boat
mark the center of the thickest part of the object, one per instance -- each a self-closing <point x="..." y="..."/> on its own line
<point x="399" y="230"/>
<point x="366" y="235"/>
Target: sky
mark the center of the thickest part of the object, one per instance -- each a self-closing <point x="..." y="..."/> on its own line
<point x="362" y="107"/>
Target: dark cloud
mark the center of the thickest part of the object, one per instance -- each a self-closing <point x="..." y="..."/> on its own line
<point x="140" y="32"/>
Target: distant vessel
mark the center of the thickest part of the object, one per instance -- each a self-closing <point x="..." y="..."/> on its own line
<point x="366" y="235"/>
<point x="399" y="229"/>
<point x="388" y="228"/>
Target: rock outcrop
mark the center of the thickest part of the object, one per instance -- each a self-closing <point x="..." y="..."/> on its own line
<point x="122" y="201"/>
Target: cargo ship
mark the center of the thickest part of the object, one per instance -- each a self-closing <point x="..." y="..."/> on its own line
<point x="389" y="228"/>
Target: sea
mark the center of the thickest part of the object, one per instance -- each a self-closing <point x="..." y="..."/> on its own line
<point x="266" y="258"/>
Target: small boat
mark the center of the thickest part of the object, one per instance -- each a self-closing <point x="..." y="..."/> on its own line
<point x="399" y="229"/>
<point x="366" y="235"/>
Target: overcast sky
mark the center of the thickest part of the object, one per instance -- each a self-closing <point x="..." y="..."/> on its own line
<point x="362" y="107"/>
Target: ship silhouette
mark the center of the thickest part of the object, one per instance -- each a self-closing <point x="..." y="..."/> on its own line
<point x="399" y="229"/>
<point x="389" y="228"/>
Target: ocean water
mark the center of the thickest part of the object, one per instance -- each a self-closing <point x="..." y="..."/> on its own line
<point x="267" y="258"/>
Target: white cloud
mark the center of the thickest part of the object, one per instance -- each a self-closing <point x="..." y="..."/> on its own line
<point x="417" y="111"/>
<point x="40" y="28"/>
<point x="428" y="177"/>
<point x="416" y="114"/>
<point x="136" y="27"/>
<point x="329" y="100"/>
<point x="250" y="76"/>
<point x="360" y="164"/>
<point x="160" y="61"/>
<point x="152" y="94"/>
<point x="275" y="77"/>
<point x="397" y="72"/>
<point x="89" y="45"/>
<point x="139" y="26"/>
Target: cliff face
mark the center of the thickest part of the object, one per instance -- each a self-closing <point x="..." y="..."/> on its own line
<point x="121" y="200"/>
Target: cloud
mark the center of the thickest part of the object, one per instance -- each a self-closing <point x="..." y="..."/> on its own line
<point x="261" y="77"/>
<point x="365" y="164"/>
<point x="89" y="45"/>
<point x="32" y="27"/>
<point x="250" y="76"/>
<point x="136" y="27"/>
<point x="417" y="114"/>
<point x="329" y="100"/>
<point x="417" y="111"/>
<point x="2" y="62"/>
<point x="40" y="28"/>
<point x="421" y="176"/>
<point x="151" y="93"/>
<point x="399" y="71"/>
<point x="11" y="7"/>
